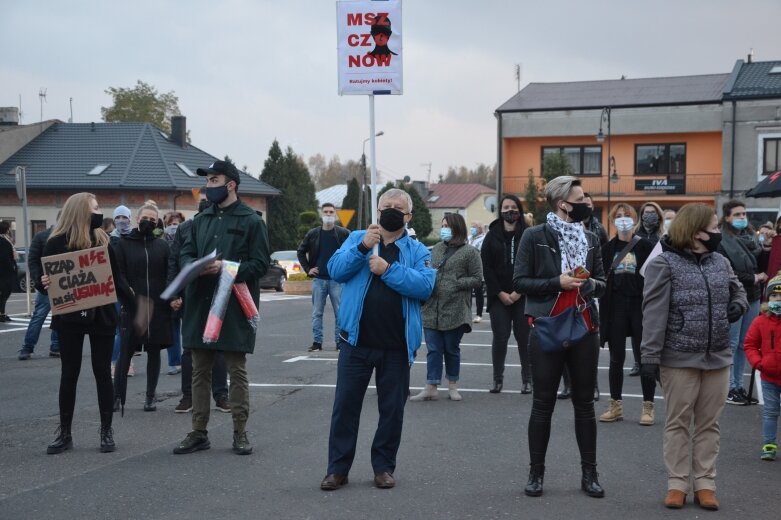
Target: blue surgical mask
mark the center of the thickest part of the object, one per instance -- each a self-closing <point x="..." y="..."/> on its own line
<point x="472" y="231"/>
<point x="624" y="223"/>
<point x="774" y="307"/>
<point x="740" y="223"/>
<point x="446" y="234"/>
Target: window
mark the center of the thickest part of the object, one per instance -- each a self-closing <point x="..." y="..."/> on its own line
<point x="771" y="156"/>
<point x="584" y="160"/>
<point x="97" y="170"/>
<point x="660" y="159"/>
<point x="185" y="169"/>
<point x="36" y="226"/>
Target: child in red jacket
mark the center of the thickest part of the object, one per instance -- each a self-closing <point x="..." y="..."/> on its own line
<point x="763" y="350"/>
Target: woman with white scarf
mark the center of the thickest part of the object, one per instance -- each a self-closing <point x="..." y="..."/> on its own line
<point x="559" y="265"/>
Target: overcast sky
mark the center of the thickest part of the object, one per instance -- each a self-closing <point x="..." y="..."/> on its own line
<point x="249" y="71"/>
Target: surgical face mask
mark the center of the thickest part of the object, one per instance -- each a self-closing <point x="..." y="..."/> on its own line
<point x="667" y="223"/>
<point x="580" y="211"/>
<point x="774" y="307"/>
<point x="123" y="226"/>
<point x="446" y="234"/>
<point x="740" y="223"/>
<point x="170" y="231"/>
<point x="329" y="220"/>
<point x="216" y="194"/>
<point x="650" y="220"/>
<point x="624" y="223"/>
<point x="472" y="231"/>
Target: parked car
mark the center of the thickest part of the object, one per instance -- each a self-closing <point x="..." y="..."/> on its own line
<point x="21" y="269"/>
<point x="288" y="260"/>
<point x="275" y="277"/>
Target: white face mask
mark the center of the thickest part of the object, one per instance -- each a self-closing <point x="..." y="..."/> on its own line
<point x="329" y="220"/>
<point x="624" y="223"/>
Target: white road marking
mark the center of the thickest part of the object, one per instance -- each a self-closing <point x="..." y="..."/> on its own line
<point x="11" y="330"/>
<point x="297" y="358"/>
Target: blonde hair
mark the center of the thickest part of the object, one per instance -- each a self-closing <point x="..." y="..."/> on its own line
<point x="150" y="205"/>
<point x="75" y="223"/>
<point x="627" y="209"/>
<point x="692" y="217"/>
<point x="659" y="212"/>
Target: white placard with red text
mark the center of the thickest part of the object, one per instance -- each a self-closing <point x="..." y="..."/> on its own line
<point x="369" y="46"/>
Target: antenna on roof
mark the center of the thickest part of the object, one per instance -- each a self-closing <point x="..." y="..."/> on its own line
<point x="518" y="75"/>
<point x="42" y="98"/>
<point x="70" y="119"/>
<point x="20" y="109"/>
<point x="429" y="170"/>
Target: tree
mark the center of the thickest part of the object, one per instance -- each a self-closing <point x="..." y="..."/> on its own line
<point x="333" y="172"/>
<point x="289" y="174"/>
<point x="483" y="174"/>
<point x="555" y="165"/>
<point x="535" y="202"/>
<point x="142" y="104"/>
<point x="421" y="217"/>
<point x="351" y="202"/>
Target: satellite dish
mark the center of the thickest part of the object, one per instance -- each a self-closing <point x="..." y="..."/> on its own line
<point x="406" y="179"/>
<point x="490" y="203"/>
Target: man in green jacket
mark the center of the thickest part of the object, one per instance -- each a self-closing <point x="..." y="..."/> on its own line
<point x="238" y="234"/>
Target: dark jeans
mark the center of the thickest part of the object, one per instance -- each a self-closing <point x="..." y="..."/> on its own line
<point x="41" y="310"/>
<point x="354" y="371"/>
<point x="478" y="292"/>
<point x="152" y="368"/>
<point x="505" y="318"/>
<point x="71" y="345"/>
<point x="4" y="295"/>
<point x="219" y="375"/>
<point x="626" y="320"/>
<point x="546" y="370"/>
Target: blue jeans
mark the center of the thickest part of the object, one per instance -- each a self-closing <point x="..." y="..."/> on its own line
<point x="117" y="337"/>
<point x="40" y="311"/>
<point x="353" y="373"/>
<point x="737" y="333"/>
<point x="175" y="350"/>
<point x="771" y="393"/>
<point x="320" y="290"/>
<point x="447" y="344"/>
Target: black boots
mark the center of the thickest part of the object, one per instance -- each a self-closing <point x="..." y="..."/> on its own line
<point x="589" y="483"/>
<point x="498" y="384"/>
<point x="149" y="404"/>
<point x="63" y="441"/>
<point x="107" y="439"/>
<point x="534" y="485"/>
<point x="526" y="387"/>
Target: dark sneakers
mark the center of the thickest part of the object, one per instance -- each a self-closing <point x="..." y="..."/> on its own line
<point x="185" y="405"/>
<point x="223" y="404"/>
<point x="196" y="440"/>
<point x="25" y="354"/>
<point x="315" y="346"/>
<point x="241" y="444"/>
<point x="734" y="397"/>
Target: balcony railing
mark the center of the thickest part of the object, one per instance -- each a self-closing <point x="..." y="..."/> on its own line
<point x="695" y="184"/>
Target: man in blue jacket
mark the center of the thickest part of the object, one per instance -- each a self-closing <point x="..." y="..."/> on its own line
<point x="381" y="331"/>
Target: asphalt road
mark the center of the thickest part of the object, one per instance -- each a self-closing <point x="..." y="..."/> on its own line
<point x="458" y="460"/>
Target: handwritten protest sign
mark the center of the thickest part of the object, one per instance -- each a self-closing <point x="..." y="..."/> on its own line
<point x="79" y="280"/>
<point x="369" y="47"/>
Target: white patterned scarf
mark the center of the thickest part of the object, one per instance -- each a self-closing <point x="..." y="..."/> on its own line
<point x="572" y="242"/>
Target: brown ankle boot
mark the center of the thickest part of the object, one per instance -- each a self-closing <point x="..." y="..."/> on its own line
<point x="675" y="499"/>
<point x="706" y="499"/>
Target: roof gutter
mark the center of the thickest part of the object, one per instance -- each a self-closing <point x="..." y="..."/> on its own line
<point x="600" y="107"/>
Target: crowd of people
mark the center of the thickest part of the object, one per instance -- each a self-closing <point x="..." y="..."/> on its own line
<point x="686" y="288"/>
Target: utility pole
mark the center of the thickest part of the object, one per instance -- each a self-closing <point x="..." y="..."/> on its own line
<point x="428" y="165"/>
<point x="518" y="75"/>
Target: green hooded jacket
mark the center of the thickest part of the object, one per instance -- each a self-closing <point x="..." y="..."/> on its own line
<point x="238" y="234"/>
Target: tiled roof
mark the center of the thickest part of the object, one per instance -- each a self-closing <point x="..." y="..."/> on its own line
<point x="617" y="93"/>
<point x="139" y="156"/>
<point x="447" y="195"/>
<point x="755" y="80"/>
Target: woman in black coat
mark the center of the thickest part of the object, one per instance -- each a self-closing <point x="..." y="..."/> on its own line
<point x="559" y="265"/>
<point x="79" y="227"/>
<point x="8" y="271"/>
<point x="143" y="261"/>
<point x="505" y="305"/>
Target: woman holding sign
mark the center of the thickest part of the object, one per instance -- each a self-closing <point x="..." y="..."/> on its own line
<point x="79" y="228"/>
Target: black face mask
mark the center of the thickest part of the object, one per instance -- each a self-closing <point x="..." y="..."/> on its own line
<point x="511" y="216"/>
<point x="391" y="219"/>
<point x="580" y="211"/>
<point x="96" y="220"/>
<point x="146" y="227"/>
<point x="712" y="244"/>
<point x="650" y="220"/>
<point x="216" y="194"/>
<point x="204" y="204"/>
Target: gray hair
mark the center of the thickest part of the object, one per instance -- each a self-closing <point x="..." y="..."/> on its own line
<point x="396" y="193"/>
<point x="558" y="189"/>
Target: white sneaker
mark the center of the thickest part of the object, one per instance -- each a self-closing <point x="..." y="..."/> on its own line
<point x="477" y="319"/>
<point x="429" y="393"/>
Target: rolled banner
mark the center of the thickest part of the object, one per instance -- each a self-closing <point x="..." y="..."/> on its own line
<point x="211" y="333"/>
<point x="241" y="292"/>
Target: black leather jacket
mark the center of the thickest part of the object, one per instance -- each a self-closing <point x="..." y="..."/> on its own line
<point x="34" y="257"/>
<point x="309" y="249"/>
<point x="538" y="267"/>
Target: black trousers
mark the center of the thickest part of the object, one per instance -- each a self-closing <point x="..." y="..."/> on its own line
<point x="626" y="320"/>
<point x="506" y="318"/>
<point x="547" y="369"/>
<point x="478" y="292"/>
<point x="101" y="347"/>
<point x="4" y="295"/>
<point x="152" y="367"/>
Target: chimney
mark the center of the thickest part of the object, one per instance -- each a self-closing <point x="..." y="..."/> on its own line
<point x="179" y="130"/>
<point x="9" y="116"/>
<point x="750" y="56"/>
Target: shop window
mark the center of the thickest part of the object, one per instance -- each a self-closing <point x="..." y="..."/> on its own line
<point x="660" y="159"/>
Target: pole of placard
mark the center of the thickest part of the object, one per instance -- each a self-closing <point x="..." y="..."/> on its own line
<point x="373" y="185"/>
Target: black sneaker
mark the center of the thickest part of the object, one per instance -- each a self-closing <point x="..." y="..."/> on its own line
<point x="196" y="440"/>
<point x="734" y="397"/>
<point x="185" y="405"/>
<point x="315" y="346"/>
<point x="223" y="404"/>
<point x="54" y="353"/>
<point x="241" y="443"/>
<point x="746" y="399"/>
<point x="25" y="354"/>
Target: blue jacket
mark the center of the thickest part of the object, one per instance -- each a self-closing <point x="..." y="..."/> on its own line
<point x="412" y="277"/>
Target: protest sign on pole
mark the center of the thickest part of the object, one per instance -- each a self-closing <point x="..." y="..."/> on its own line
<point x="369" y="46"/>
<point x="79" y="280"/>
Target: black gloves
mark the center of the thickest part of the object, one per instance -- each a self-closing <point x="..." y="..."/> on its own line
<point x="649" y="370"/>
<point x="734" y="312"/>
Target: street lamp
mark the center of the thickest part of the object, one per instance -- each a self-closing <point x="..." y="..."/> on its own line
<point x="612" y="176"/>
<point x="363" y="179"/>
<point x="20" y="173"/>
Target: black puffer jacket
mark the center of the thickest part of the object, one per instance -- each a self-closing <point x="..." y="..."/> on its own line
<point x="143" y="261"/>
<point x="498" y="257"/>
